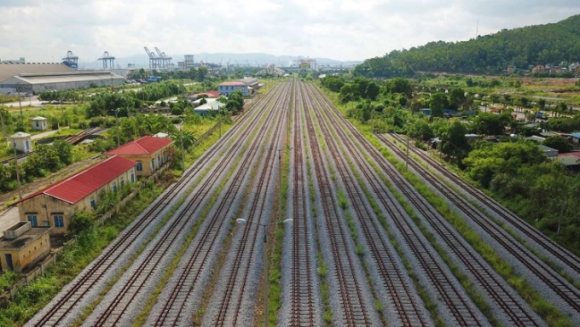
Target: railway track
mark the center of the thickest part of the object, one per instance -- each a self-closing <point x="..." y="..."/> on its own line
<point x="353" y="300"/>
<point x="84" y="289"/>
<point x="122" y="303"/>
<point x="508" y="306"/>
<point x="404" y="303"/>
<point x="183" y="292"/>
<point x="233" y="299"/>
<point x="549" y="283"/>
<point x="301" y="303"/>
<point x="531" y="235"/>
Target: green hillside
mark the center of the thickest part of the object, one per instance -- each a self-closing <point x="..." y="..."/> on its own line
<point x="490" y="54"/>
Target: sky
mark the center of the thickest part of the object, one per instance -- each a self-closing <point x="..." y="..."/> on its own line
<point x="43" y="31"/>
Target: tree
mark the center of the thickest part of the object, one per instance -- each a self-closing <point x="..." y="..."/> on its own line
<point x="559" y="143"/>
<point x="438" y="102"/>
<point x="457" y="98"/>
<point x="64" y="151"/>
<point x="348" y="92"/>
<point x="491" y="124"/>
<point x="400" y="85"/>
<point x="81" y="221"/>
<point x="454" y="144"/>
<point x="489" y="159"/>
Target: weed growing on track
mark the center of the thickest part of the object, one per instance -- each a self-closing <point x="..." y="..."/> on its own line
<point x="342" y="200"/>
<point x="275" y="273"/>
<point x="545" y="309"/>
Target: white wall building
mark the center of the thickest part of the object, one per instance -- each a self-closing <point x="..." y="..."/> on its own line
<point x="21" y="142"/>
<point x="39" y="123"/>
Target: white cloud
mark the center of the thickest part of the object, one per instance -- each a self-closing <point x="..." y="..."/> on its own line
<point x="344" y="30"/>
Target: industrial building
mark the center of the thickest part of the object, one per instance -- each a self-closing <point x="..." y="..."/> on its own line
<point x="150" y="153"/>
<point x="22" y="246"/>
<point x="35" y="78"/>
<point x="55" y="205"/>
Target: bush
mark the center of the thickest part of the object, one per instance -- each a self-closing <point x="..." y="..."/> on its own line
<point x="81" y="221"/>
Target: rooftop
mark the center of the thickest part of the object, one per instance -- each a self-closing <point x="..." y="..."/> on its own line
<point x="24" y="239"/>
<point x="20" y="135"/>
<point x="144" y="145"/>
<point x="233" y="84"/>
<point x="10" y="70"/>
<point x="38" y="118"/>
<point x="64" y="77"/>
<point x="79" y="186"/>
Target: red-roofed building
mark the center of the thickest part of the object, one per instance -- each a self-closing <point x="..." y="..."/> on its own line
<point x="208" y="94"/>
<point x="150" y="153"/>
<point x="55" y="205"/>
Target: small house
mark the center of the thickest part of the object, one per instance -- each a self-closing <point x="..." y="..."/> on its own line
<point x="39" y="123"/>
<point x="22" y="246"/>
<point x="22" y="142"/>
<point x="150" y="153"/>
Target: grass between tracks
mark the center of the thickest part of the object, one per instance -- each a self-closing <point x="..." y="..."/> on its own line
<point x="550" y="313"/>
<point x="275" y="255"/>
<point x="322" y="267"/>
<point x="545" y="309"/>
<point x="152" y="299"/>
<point x="483" y="210"/>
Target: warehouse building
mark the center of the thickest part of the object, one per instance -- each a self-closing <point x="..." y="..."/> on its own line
<point x="150" y="154"/>
<point x="23" y="246"/>
<point x="35" y="78"/>
<point x="55" y="205"/>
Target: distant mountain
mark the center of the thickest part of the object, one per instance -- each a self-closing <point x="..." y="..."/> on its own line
<point x="236" y="59"/>
<point x="490" y="54"/>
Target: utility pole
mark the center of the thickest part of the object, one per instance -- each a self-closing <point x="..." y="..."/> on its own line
<point x="117" y="122"/>
<point x="18" y="89"/>
<point x="181" y="146"/>
<point x="3" y="125"/>
<point x="17" y="172"/>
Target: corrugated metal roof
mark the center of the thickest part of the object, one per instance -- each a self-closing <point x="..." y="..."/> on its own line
<point x="144" y="145"/>
<point x="65" y="78"/>
<point x="79" y="186"/>
<point x="9" y="70"/>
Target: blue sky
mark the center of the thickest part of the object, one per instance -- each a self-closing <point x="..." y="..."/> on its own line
<point x="43" y="30"/>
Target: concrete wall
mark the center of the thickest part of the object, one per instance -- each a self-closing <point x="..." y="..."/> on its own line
<point x="21" y="144"/>
<point x="39" y="125"/>
<point x="228" y="89"/>
<point x="30" y="253"/>
<point x="46" y="207"/>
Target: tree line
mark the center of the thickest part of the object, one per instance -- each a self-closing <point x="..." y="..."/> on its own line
<point x="490" y="54"/>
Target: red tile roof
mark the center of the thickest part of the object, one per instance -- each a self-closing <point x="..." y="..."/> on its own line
<point x="79" y="186"/>
<point x="232" y="84"/>
<point x="144" y="145"/>
<point x="209" y="94"/>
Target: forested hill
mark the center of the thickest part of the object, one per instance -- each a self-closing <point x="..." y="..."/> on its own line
<point x="490" y="54"/>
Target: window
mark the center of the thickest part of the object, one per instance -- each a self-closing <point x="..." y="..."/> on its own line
<point x="139" y="165"/>
<point x="152" y="164"/>
<point x="93" y="204"/>
<point x="159" y="162"/>
<point x="115" y="188"/>
<point x="122" y="182"/>
<point x="132" y="178"/>
<point x="58" y="221"/>
<point x="33" y="221"/>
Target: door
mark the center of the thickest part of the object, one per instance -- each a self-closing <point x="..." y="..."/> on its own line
<point x="9" y="264"/>
<point x="27" y="145"/>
